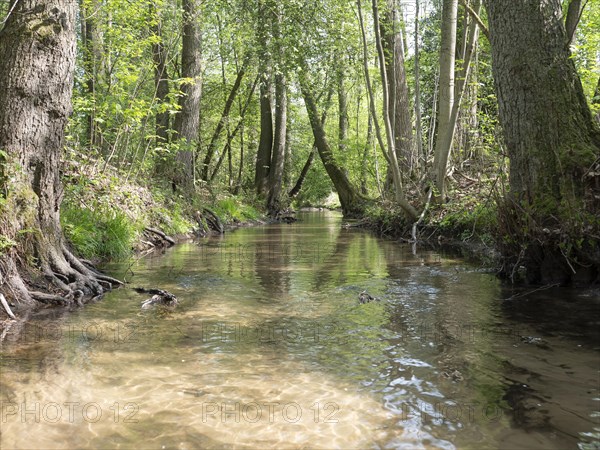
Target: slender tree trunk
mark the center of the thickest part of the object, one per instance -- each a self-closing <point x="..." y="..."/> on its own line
<point x="187" y="121"/>
<point x="399" y="104"/>
<point x="161" y="80"/>
<point x="408" y="209"/>
<point x="343" y="120"/>
<point x="222" y="122"/>
<point x="446" y="96"/>
<point x="573" y="17"/>
<point x="550" y="136"/>
<point x="91" y="56"/>
<point x="276" y="168"/>
<point x="446" y="134"/>
<point x="352" y="204"/>
<point x="311" y="156"/>
<point x="37" y="45"/>
<point x="418" y="110"/>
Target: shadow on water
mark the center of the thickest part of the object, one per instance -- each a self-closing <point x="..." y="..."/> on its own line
<point x="270" y="348"/>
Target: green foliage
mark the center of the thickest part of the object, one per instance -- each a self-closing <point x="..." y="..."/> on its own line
<point x="232" y="209"/>
<point x="99" y="233"/>
<point x="6" y="243"/>
<point x="470" y="221"/>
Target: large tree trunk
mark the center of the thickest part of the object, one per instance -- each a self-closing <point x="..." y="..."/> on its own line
<point x="550" y="137"/>
<point x="37" y="46"/>
<point x="265" y="144"/>
<point x="187" y="121"/>
<point x="274" y="204"/>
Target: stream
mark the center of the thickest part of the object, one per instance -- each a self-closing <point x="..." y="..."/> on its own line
<point x="269" y="347"/>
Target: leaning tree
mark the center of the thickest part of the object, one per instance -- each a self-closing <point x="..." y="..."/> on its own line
<point x="37" y="45"/>
<point x="550" y="216"/>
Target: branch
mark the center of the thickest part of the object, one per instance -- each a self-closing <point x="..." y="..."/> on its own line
<point x="475" y="16"/>
<point x="573" y="17"/>
<point x="7" y="307"/>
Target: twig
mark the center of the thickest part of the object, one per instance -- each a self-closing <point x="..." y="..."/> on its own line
<point x="418" y="222"/>
<point x="523" y="294"/>
<point x="7" y="307"/>
<point x="10" y="12"/>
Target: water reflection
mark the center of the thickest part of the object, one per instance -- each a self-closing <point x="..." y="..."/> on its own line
<point x="269" y="347"/>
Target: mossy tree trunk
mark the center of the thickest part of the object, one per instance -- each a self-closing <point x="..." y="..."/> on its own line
<point x="550" y="136"/>
<point x="37" y="46"/>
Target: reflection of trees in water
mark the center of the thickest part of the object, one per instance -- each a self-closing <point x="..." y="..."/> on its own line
<point x="271" y="262"/>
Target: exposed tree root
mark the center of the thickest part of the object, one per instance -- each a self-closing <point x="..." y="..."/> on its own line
<point x="69" y="281"/>
<point x="6" y="307"/>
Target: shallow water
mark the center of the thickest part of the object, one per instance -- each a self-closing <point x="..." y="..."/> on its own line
<point x="270" y="348"/>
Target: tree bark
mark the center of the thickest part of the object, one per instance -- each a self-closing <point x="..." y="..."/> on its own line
<point x="37" y="46"/>
<point x="399" y="105"/>
<point x="265" y="144"/>
<point x="446" y="134"/>
<point x="549" y="133"/>
<point x="572" y="20"/>
<point x="446" y="96"/>
<point x="187" y="121"/>
<point x="279" y="144"/>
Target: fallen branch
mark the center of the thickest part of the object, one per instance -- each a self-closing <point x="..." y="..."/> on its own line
<point x="159" y="233"/>
<point x="159" y="297"/>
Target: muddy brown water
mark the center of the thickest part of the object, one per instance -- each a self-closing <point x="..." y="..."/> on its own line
<point x="270" y="348"/>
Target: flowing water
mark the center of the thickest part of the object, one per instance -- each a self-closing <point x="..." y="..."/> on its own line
<point x="270" y="348"/>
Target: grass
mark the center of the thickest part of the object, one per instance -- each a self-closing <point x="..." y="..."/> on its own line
<point x="98" y="233"/>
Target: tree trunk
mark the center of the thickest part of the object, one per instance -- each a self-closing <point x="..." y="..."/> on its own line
<point x="343" y="120"/>
<point x="572" y="20"/>
<point x="418" y="110"/>
<point x="92" y="55"/>
<point x="187" y="121"/>
<point x="446" y="134"/>
<point x="265" y="144"/>
<point x="311" y="157"/>
<point x="446" y="96"/>
<point x="222" y="122"/>
<point x="550" y="136"/>
<point x="399" y="105"/>
<point x="279" y="144"/>
<point x="37" y="46"/>
<point x="408" y="209"/>
<point x="352" y="204"/>
<point x="161" y="80"/>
